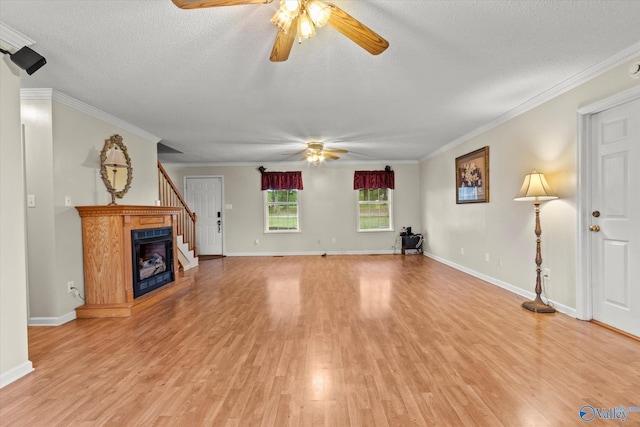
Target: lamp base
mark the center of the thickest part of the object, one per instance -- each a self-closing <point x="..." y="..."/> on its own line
<point x="538" y="306"/>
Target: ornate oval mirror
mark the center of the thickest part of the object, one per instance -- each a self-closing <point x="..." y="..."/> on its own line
<point x="115" y="169"/>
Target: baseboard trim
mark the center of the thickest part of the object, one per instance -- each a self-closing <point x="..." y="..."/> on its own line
<point x="569" y="311"/>
<point x="611" y="328"/>
<point x="16" y="373"/>
<point x="310" y="253"/>
<point x="52" y="321"/>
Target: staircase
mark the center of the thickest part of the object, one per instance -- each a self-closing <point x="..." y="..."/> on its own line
<point x="186" y="256"/>
<point x="186" y="223"/>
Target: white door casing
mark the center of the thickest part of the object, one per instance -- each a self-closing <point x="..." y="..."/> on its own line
<point x="204" y="197"/>
<point x="608" y="288"/>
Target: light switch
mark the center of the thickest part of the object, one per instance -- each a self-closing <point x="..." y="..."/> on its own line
<point x="67" y="200"/>
<point x="31" y="200"/>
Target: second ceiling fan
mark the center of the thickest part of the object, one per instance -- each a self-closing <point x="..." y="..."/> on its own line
<point x="316" y="153"/>
<point x="299" y="19"/>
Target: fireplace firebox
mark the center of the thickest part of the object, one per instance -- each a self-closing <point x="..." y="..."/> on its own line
<point x="152" y="251"/>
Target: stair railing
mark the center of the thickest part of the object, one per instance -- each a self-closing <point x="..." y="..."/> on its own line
<point x="169" y="196"/>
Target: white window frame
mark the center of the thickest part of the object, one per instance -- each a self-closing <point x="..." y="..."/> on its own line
<point x="266" y="204"/>
<point x="388" y="202"/>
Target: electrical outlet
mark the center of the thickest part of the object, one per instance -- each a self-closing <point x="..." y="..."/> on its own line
<point x="547" y="273"/>
<point x="500" y="261"/>
<point x="257" y="242"/>
<point x="461" y="251"/>
<point x="70" y="286"/>
<point x="333" y="240"/>
<point x="486" y="257"/>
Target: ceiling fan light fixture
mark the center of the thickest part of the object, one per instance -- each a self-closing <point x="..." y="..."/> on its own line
<point x="306" y="29"/>
<point x="283" y="19"/>
<point x="315" y="152"/>
<point x="315" y="158"/>
<point x="319" y="12"/>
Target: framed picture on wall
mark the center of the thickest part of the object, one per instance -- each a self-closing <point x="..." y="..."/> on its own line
<point x="472" y="177"/>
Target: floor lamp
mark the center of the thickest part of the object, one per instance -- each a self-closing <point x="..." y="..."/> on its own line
<point x="535" y="189"/>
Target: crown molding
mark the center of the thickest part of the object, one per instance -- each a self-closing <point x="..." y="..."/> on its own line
<point x="47" y="94"/>
<point x="557" y="90"/>
<point x="13" y="38"/>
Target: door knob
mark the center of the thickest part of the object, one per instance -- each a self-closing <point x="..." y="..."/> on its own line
<point x="594" y="228"/>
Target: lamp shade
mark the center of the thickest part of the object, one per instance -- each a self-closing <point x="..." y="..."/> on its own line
<point x="535" y="188"/>
<point x="319" y="12"/>
<point x="115" y="158"/>
<point x="291" y="5"/>
<point x="282" y="19"/>
<point x="306" y="29"/>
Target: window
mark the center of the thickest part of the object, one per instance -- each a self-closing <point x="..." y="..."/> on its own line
<point x="281" y="211"/>
<point x="375" y="207"/>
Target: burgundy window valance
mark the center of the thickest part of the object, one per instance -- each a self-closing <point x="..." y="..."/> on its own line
<point x="373" y="179"/>
<point x="282" y="180"/>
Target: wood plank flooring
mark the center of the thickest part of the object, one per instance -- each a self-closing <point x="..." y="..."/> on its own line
<point x="326" y="341"/>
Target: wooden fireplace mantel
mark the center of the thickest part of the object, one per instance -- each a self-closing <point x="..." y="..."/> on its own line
<point x="108" y="269"/>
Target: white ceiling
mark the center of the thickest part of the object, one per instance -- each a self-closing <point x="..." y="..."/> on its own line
<point x="201" y="80"/>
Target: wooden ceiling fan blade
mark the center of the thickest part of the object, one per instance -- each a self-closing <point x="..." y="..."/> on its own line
<point x="284" y="43"/>
<point x="355" y="30"/>
<point x="293" y="154"/>
<point x="335" y="150"/>
<point x="199" y="4"/>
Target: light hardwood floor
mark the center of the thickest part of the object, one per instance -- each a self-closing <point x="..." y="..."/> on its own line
<point x="326" y="341"/>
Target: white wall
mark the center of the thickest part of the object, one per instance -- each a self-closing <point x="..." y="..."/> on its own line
<point x="14" y="361"/>
<point x="328" y="208"/>
<point x="543" y="138"/>
<point x="63" y="146"/>
<point x="37" y="119"/>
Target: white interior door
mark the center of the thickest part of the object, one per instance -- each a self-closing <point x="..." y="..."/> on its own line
<point x="615" y="217"/>
<point x="204" y="197"/>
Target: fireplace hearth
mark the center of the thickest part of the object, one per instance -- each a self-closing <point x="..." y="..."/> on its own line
<point x="152" y="251"/>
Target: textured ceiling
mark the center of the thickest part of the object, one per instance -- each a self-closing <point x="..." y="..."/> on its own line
<point x="201" y="80"/>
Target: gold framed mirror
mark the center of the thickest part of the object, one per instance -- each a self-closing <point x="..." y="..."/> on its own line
<point x="115" y="168"/>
